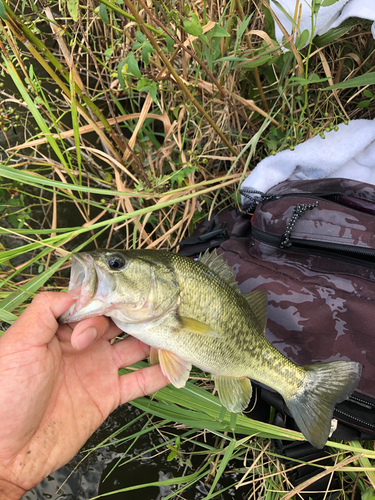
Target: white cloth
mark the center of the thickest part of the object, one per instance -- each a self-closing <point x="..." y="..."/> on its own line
<point x="348" y="153"/>
<point x="328" y="17"/>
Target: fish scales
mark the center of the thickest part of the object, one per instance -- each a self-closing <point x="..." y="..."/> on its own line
<point x="241" y="343"/>
<point x="192" y="313"/>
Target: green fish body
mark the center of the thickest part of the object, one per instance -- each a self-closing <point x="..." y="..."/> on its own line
<point x="192" y="313"/>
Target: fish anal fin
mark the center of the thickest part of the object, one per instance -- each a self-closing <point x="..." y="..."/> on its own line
<point x="154" y="356"/>
<point x="196" y="326"/>
<point x="217" y="264"/>
<point x="234" y="393"/>
<point x="176" y="369"/>
<point x="257" y="300"/>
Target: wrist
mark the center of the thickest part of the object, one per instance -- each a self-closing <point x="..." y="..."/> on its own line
<point x="10" y="491"/>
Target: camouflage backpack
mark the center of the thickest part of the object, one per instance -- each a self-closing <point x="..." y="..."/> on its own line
<point x="311" y="245"/>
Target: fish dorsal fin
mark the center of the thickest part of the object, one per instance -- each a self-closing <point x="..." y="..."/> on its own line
<point x="257" y="300"/>
<point x="196" y="326"/>
<point x="217" y="264"/>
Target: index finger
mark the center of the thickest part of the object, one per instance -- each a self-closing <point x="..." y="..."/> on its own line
<point x="93" y="328"/>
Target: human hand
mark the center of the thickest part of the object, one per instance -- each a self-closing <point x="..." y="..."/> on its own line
<point x="58" y="384"/>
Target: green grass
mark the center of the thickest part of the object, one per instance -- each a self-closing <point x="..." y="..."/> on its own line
<point x="123" y="124"/>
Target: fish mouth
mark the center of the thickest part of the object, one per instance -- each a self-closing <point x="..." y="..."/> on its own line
<point x="84" y="280"/>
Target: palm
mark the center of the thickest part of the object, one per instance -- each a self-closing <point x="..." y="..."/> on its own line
<point x="55" y="397"/>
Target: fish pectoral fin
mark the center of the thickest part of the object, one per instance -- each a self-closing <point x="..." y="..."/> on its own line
<point x="173" y="367"/>
<point x="234" y="393"/>
<point x="195" y="326"/>
<point x="154" y="356"/>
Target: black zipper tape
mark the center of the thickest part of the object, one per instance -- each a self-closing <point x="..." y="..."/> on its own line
<point x="347" y="253"/>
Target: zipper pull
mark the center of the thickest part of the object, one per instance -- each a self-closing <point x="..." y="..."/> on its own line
<point x="246" y="193"/>
<point x="299" y="210"/>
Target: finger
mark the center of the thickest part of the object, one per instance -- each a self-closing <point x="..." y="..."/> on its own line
<point x="87" y="331"/>
<point x="37" y="324"/>
<point x="141" y="382"/>
<point x="129" y="351"/>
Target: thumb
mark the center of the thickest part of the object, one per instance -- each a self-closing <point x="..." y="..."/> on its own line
<point x="37" y="325"/>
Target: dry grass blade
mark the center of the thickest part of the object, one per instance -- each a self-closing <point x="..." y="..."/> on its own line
<point x="308" y="482"/>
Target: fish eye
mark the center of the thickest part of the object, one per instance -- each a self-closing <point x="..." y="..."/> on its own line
<point x="116" y="263"/>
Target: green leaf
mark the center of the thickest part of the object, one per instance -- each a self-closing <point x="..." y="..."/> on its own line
<point x="119" y="74"/>
<point x="357" y="81"/>
<point x="327" y="3"/>
<point x="13" y="219"/>
<point x="205" y="40"/>
<point x="368" y="494"/>
<point x="14" y="202"/>
<point x="172" y="454"/>
<point x="103" y="13"/>
<point x="208" y="56"/>
<point x="218" y="32"/>
<point x="302" y="39"/>
<point x="270" y="22"/>
<point x="26" y="291"/>
<point x="170" y="43"/>
<point x="73" y="6"/>
<point x="314" y="78"/>
<point x="364" y="104"/>
<point x="7" y="262"/>
<point x="182" y="174"/>
<point x="75" y="123"/>
<point x="244" y="24"/>
<point x="146" y="85"/>
<point x="133" y="65"/>
<point x="153" y="92"/>
<point x="145" y="57"/>
<point x="147" y="50"/>
<point x="223" y="411"/>
<point x="233" y="421"/>
<point x="38" y="181"/>
<point x="7" y="316"/>
<point x="368" y="93"/>
<point x="3" y="13"/>
<point x="31" y="103"/>
<point x="227" y="456"/>
<point x="108" y="53"/>
<point x="139" y="36"/>
<point x="334" y="33"/>
<point x="193" y="26"/>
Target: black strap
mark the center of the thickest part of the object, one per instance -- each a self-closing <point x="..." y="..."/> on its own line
<point x="196" y="244"/>
<point x="293" y="451"/>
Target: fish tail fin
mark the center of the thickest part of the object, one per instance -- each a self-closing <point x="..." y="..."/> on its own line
<point x="324" y="386"/>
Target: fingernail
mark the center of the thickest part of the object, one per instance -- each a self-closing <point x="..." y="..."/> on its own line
<point x="85" y="338"/>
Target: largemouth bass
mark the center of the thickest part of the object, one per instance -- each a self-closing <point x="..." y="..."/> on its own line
<point x="192" y="313"/>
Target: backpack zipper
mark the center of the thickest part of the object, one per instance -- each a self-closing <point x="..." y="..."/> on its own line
<point x="348" y="253"/>
<point x="348" y="418"/>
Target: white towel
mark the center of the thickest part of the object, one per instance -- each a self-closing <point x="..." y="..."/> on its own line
<point x="328" y="17"/>
<point x="348" y="153"/>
